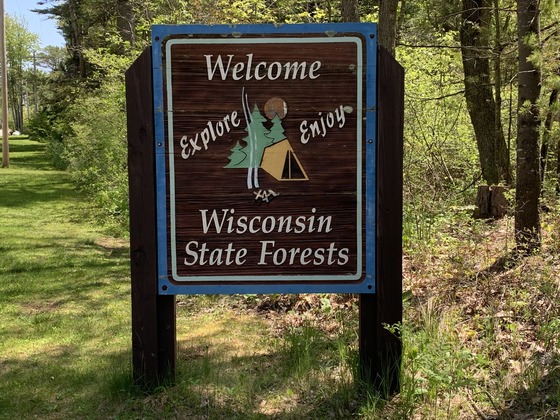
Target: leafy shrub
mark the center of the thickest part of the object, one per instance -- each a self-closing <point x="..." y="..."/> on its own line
<point x="45" y="127"/>
<point x="96" y="149"/>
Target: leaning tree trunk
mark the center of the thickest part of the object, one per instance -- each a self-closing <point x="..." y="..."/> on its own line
<point x="475" y="51"/>
<point x="76" y="40"/>
<point x="527" y="226"/>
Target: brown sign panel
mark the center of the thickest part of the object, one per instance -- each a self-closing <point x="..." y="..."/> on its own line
<point x="262" y="167"/>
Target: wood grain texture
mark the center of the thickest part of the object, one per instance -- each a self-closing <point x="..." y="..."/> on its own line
<point x="380" y="350"/>
<point x="153" y="316"/>
<point x="330" y="157"/>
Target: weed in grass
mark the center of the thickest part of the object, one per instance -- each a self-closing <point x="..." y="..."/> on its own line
<point x="435" y="369"/>
<point x="300" y="350"/>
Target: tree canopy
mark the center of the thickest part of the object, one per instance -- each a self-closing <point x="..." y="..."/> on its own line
<point x="466" y="110"/>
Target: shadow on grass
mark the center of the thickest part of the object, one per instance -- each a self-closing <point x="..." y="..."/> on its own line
<point x="46" y="189"/>
<point x="23" y="187"/>
<point x="28" y="154"/>
<point x="303" y="376"/>
<point x="56" y="382"/>
<point x="66" y="380"/>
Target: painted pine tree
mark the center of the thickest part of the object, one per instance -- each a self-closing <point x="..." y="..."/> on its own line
<point x="238" y="157"/>
<point x="250" y="156"/>
<point x="277" y="130"/>
<point x="257" y="141"/>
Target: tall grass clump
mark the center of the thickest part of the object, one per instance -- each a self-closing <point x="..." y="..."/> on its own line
<point x="436" y="368"/>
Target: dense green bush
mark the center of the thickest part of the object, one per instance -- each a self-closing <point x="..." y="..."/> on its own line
<point x="46" y="127"/>
<point x="96" y="151"/>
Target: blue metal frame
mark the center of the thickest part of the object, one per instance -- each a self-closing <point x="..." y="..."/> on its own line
<point x="369" y="32"/>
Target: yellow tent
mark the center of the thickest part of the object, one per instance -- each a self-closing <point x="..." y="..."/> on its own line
<point x="280" y="161"/>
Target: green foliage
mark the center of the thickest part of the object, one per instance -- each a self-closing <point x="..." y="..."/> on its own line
<point x="85" y="130"/>
<point x="545" y="57"/>
<point x="20" y="44"/>
<point x="96" y="149"/>
<point x="440" y="151"/>
<point x="43" y="128"/>
<point x="436" y="367"/>
<point x="52" y="58"/>
<point x="236" y="12"/>
<point x="51" y="123"/>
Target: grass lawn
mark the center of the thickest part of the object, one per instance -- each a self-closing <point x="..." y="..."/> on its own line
<point x="477" y="342"/>
<point x="65" y="350"/>
<point x="64" y="295"/>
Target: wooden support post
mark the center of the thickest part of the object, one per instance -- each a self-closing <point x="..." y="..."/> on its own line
<point x="380" y="350"/>
<point x="153" y="316"/>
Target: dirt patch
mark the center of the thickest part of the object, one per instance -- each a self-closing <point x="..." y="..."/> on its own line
<point x="111" y="243"/>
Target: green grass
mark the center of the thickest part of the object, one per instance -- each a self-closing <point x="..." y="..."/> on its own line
<point x="65" y="326"/>
<point x="477" y="343"/>
<point x="18" y="137"/>
<point x="63" y="294"/>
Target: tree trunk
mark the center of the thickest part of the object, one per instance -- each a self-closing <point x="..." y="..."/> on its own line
<point x="350" y="11"/>
<point x="491" y="202"/>
<point x="387" y="37"/>
<point x="482" y="108"/>
<point x="483" y="202"/>
<point x="527" y="226"/>
<point x="499" y="133"/>
<point x="76" y="40"/>
<point x="125" y="21"/>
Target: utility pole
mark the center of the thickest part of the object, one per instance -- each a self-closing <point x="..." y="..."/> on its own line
<point x="5" y="132"/>
<point x="36" y="108"/>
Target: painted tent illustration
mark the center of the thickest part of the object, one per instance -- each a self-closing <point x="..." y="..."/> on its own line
<point x="281" y="162"/>
<point x="266" y="148"/>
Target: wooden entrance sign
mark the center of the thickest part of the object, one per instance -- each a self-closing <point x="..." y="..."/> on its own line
<point x="255" y="170"/>
<point x="262" y="158"/>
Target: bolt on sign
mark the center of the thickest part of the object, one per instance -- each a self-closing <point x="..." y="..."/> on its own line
<point x="265" y="158"/>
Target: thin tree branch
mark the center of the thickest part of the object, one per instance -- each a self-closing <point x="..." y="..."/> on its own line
<point x="455" y="47"/>
<point x="436" y="98"/>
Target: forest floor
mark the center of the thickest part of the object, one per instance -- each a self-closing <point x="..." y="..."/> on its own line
<point x="480" y="340"/>
<point x="502" y="312"/>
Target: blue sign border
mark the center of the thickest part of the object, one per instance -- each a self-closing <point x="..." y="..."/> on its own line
<point x="369" y="31"/>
